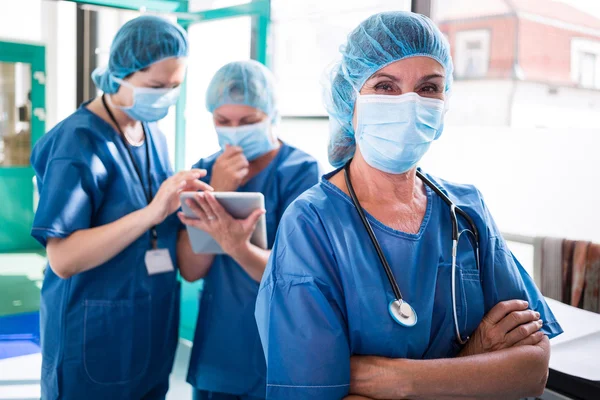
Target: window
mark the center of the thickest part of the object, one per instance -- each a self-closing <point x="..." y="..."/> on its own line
<point x="587" y="70"/>
<point x="306" y="37"/>
<point x="472" y="54"/>
<point x="526" y="94"/>
<point x="585" y="65"/>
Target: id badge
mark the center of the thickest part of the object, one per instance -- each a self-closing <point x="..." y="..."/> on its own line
<point x="158" y="261"/>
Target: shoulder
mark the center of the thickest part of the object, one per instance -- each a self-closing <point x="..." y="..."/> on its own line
<point x="470" y="200"/>
<point x="159" y="138"/>
<point x="294" y="157"/>
<point x="303" y="246"/>
<point x="77" y="138"/>
<point x="462" y="194"/>
<point x="207" y="162"/>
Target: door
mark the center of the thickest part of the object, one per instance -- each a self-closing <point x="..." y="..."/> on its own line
<point x="22" y="116"/>
<point x="206" y="57"/>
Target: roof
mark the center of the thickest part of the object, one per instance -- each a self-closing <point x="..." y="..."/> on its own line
<point x="474" y="9"/>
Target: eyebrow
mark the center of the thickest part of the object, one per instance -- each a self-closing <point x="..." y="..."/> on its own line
<point x="253" y="116"/>
<point x="431" y="76"/>
<point x="395" y="79"/>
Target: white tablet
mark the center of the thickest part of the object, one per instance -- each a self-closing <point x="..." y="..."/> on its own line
<point x="240" y="205"/>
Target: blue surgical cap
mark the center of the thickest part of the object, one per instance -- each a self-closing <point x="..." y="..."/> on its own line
<point x="140" y="43"/>
<point x="243" y="82"/>
<point x="380" y="40"/>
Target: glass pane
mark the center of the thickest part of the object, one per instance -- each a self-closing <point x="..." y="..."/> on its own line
<point x="306" y="39"/>
<point x="521" y="66"/>
<point x="15" y="114"/>
<point x="206" y="57"/>
<point x="523" y="113"/>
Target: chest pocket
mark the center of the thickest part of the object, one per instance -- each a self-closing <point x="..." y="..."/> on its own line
<point x="469" y="293"/>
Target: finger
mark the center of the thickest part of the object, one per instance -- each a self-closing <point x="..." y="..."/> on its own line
<point x="231" y="151"/>
<point x="238" y="162"/>
<point x="531" y="340"/>
<point x="189" y="175"/>
<point x="202" y="202"/>
<point x="242" y="173"/>
<point x="217" y="209"/>
<point x="522" y="331"/>
<point x="196" y="209"/>
<point x="196" y="186"/>
<point x="504" y="308"/>
<point x="516" y="318"/>
<point x="195" y="223"/>
<point x="250" y="222"/>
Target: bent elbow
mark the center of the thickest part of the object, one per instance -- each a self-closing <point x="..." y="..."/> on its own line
<point x="60" y="269"/>
<point x="539" y="389"/>
<point x="191" y="272"/>
<point x="58" y="263"/>
<point x="540" y="363"/>
<point x="189" y="276"/>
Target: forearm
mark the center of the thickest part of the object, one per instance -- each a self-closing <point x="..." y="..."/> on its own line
<point x="192" y="266"/>
<point x="88" y="248"/>
<point x="252" y="259"/>
<point x="511" y="373"/>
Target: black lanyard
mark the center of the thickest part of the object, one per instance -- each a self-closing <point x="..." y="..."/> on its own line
<point x="147" y="193"/>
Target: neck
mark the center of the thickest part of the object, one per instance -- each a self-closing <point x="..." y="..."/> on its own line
<point x="376" y="187"/>
<point x="126" y="123"/>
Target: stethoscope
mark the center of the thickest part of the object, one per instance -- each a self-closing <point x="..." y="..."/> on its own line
<point x="399" y="309"/>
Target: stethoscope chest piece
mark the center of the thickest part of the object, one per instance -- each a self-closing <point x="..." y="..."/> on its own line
<point x="402" y="313"/>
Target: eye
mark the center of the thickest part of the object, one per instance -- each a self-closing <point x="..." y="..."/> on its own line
<point x="384" y="87"/>
<point x="430" y="89"/>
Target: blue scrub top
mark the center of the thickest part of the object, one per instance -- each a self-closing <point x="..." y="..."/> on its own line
<point x="325" y="295"/>
<point x="110" y="332"/>
<point x="227" y="356"/>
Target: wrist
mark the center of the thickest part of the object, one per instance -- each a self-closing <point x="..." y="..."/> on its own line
<point x="239" y="251"/>
<point x="152" y="216"/>
<point x="401" y="380"/>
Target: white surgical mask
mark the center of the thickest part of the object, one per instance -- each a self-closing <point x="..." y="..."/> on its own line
<point x="394" y="132"/>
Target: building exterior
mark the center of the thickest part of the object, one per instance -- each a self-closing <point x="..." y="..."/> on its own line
<point x="522" y="62"/>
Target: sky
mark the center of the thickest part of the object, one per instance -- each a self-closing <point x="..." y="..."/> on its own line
<point x="588" y="6"/>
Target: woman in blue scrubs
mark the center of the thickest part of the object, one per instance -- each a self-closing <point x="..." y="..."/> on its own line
<point x="227" y="359"/>
<point x="110" y="298"/>
<point x="325" y="310"/>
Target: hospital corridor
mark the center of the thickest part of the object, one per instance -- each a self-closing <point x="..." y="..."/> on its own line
<point x="299" y="199"/>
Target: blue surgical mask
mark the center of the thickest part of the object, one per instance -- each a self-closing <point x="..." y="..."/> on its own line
<point x="254" y="139"/>
<point x="149" y="104"/>
<point x="394" y="132"/>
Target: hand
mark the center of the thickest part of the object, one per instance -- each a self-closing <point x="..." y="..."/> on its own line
<point x="166" y="201"/>
<point x="508" y="324"/>
<point x="232" y="234"/>
<point x="229" y="170"/>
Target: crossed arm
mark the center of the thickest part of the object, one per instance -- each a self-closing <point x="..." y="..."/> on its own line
<point x="507" y="358"/>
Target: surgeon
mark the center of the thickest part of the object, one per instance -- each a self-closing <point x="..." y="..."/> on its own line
<point x="227" y="361"/>
<point x="362" y="294"/>
<point x="110" y="299"/>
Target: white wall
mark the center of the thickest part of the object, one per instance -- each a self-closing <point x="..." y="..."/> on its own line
<point x="21" y="21"/>
<point x="540" y="105"/>
<point x="535" y="181"/>
<point x="481" y="102"/>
